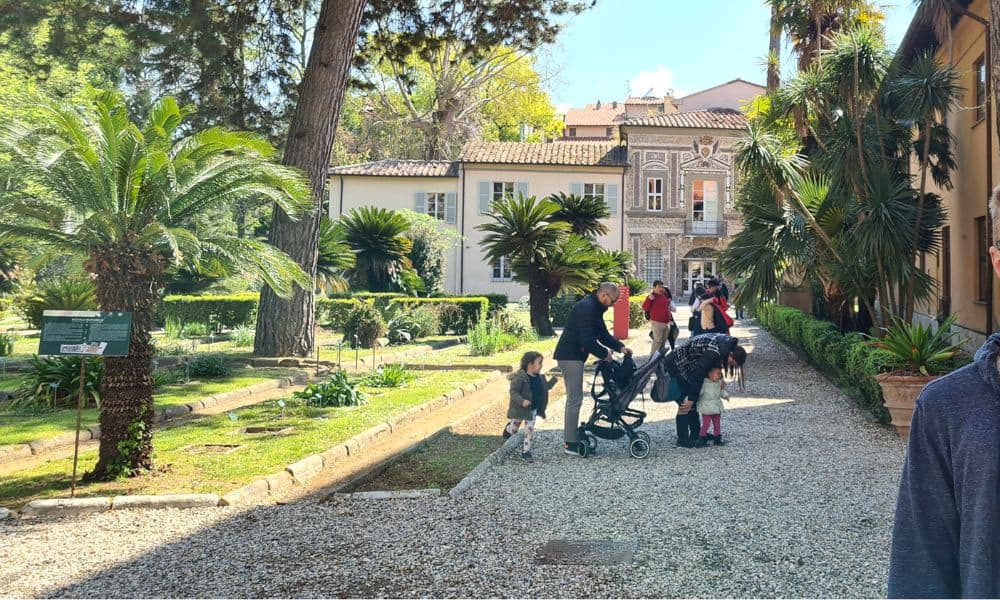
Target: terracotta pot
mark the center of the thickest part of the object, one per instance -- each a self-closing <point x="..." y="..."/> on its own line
<point x="899" y="393"/>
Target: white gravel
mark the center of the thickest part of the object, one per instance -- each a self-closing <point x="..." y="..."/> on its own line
<point x="799" y="503"/>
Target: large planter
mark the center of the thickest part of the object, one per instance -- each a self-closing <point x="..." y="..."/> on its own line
<point x="899" y="395"/>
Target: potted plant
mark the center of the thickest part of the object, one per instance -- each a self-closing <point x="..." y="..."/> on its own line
<point x="922" y="355"/>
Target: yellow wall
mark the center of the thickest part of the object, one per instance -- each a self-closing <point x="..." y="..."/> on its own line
<point x="967" y="200"/>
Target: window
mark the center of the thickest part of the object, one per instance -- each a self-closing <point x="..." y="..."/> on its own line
<point x="572" y="132"/>
<point x="654" y="264"/>
<point x="502" y="189"/>
<point x="435" y="205"/>
<point x="979" y="86"/>
<point x="594" y="190"/>
<point x="607" y="132"/>
<point x="654" y="193"/>
<point x="983" y="260"/>
<point x="501" y="270"/>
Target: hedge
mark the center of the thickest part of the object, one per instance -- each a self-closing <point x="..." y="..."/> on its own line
<point x="333" y="312"/>
<point x="847" y="359"/>
<point x="457" y="313"/>
<point x="217" y="312"/>
<point x="636" y="318"/>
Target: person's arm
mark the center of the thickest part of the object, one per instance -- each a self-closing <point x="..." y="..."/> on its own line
<point x="647" y="303"/>
<point x="673" y="306"/>
<point x="605" y="337"/>
<point x="590" y="332"/>
<point x="516" y="397"/>
<point x="924" y="561"/>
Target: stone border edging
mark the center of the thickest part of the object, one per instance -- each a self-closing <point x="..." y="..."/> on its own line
<point x="392" y="494"/>
<point x="58" y="507"/>
<point x="276" y="485"/>
<point x="494" y="459"/>
<point x="14" y="452"/>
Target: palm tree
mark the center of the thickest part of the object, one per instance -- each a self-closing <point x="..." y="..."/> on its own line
<point x="378" y="239"/>
<point x="583" y="213"/>
<point x="524" y="230"/>
<point x="335" y="258"/>
<point x="125" y="195"/>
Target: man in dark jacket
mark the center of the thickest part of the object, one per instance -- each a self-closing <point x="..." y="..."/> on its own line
<point x="689" y="365"/>
<point x="585" y="334"/>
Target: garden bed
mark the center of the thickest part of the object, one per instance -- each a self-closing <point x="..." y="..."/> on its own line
<point x="462" y="357"/>
<point x="183" y="468"/>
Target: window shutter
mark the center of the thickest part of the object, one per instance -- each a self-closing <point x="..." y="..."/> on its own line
<point x="485" y="201"/>
<point x="450" y="207"/>
<point x="420" y="203"/>
<point x="522" y="188"/>
<point x="576" y="189"/>
<point x="611" y="195"/>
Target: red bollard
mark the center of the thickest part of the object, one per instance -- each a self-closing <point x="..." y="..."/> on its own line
<point x="621" y="313"/>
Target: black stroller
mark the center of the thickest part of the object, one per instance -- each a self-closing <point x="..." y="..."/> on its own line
<point x="612" y="419"/>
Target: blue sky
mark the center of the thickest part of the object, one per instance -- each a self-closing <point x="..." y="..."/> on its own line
<point x="684" y="45"/>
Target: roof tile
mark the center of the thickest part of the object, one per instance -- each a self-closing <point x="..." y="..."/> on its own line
<point x="719" y="118"/>
<point x="592" y="154"/>
<point x="401" y="168"/>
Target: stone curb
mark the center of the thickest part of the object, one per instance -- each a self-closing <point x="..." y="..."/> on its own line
<point x="15" y="452"/>
<point x="59" y="507"/>
<point x="392" y="495"/>
<point x="165" y="501"/>
<point x="300" y="472"/>
<point x="5" y="514"/>
<point x="495" y="458"/>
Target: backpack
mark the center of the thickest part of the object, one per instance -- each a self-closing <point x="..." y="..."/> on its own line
<point x="616" y="376"/>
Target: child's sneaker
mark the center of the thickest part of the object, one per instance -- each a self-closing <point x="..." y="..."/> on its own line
<point x="506" y="434"/>
<point x="702" y="442"/>
<point x="718" y="441"/>
<point x="527" y="457"/>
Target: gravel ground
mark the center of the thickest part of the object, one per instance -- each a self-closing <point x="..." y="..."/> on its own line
<point x="799" y="503"/>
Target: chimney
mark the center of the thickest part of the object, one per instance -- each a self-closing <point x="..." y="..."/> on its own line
<point x="598" y="105"/>
<point x="614" y="104"/>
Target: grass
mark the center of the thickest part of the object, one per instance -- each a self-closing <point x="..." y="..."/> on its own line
<point x="462" y="355"/>
<point x="181" y="471"/>
<point x="441" y="464"/>
<point x="17" y="429"/>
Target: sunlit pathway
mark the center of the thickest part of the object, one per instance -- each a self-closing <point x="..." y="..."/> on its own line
<point x="799" y="503"/>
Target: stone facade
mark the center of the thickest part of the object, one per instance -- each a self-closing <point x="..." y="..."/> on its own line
<point x="670" y="239"/>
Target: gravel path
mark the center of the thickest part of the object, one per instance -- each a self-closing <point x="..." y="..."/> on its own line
<point x="799" y="503"/>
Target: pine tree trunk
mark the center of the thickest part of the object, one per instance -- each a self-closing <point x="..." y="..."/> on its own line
<point x="128" y="280"/>
<point x="774" y="51"/>
<point x="285" y="326"/>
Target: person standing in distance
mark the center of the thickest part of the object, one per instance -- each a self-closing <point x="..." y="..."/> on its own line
<point x="946" y="534"/>
<point x="585" y="334"/>
<point x="659" y="306"/>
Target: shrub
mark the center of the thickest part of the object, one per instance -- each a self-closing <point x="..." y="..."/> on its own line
<point x="497" y="303"/>
<point x="216" y="312"/>
<point x="335" y="391"/>
<point x="470" y="310"/>
<point x="487" y="340"/>
<point x="165" y="377"/>
<point x="636" y="318"/>
<point x="524" y="303"/>
<point x="636" y="286"/>
<point x="243" y="337"/>
<point x="64" y="294"/>
<point x="55" y="381"/>
<point x="195" y="330"/>
<point x="366" y="325"/>
<point x="389" y="376"/>
<point x="7" y="340"/>
<point x="209" y="366"/>
<point x="918" y="348"/>
<point x="511" y="323"/>
<point x="333" y="312"/>
<point x="426" y="321"/>
<point x="559" y="308"/>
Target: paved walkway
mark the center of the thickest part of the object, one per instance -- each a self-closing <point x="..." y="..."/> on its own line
<point x="799" y="503"/>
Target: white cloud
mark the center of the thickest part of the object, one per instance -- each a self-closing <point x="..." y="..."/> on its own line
<point x="562" y="108"/>
<point x="660" y="80"/>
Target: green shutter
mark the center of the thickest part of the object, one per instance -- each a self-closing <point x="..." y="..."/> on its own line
<point x="450" y="207"/>
<point x="522" y="188"/>
<point x="485" y="199"/>
<point x="420" y="203"/>
<point x="611" y="194"/>
<point x="576" y="189"/>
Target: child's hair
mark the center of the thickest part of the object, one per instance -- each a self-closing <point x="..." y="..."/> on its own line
<point x="739" y="354"/>
<point x="528" y="358"/>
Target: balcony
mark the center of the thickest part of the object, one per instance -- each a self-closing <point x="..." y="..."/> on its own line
<point x="704" y="228"/>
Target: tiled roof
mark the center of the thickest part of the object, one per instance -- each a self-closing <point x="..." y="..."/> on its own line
<point x="592" y="154"/>
<point x="400" y="168"/>
<point x="590" y="116"/>
<point x="645" y="100"/>
<point x="584" y="138"/>
<point x="721" y="118"/>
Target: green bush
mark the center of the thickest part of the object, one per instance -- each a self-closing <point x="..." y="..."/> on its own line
<point x="335" y="391"/>
<point x="243" y="337"/>
<point x="7" y="340"/>
<point x="366" y="323"/>
<point x="497" y="302"/>
<point x="64" y="294"/>
<point x="426" y="321"/>
<point x="559" y="309"/>
<point x="636" y="318"/>
<point x="636" y="286"/>
<point x="471" y="310"/>
<point x="216" y="312"/>
<point x="333" y="312"/>
<point x="486" y="339"/>
<point x="209" y="366"/>
<point x="55" y="381"/>
<point x="389" y="376"/>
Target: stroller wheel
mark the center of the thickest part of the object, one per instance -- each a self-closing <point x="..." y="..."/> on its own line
<point x="592" y="442"/>
<point x="639" y="448"/>
<point x="642" y="435"/>
<point x="583" y="448"/>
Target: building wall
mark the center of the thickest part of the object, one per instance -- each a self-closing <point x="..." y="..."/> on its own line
<point x="541" y="181"/>
<point x="675" y="155"/>
<point x="591" y="131"/>
<point x="395" y="193"/>
<point x="967" y="200"/>
<point x="732" y="95"/>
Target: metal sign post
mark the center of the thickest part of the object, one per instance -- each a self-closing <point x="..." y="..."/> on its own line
<point x="84" y="333"/>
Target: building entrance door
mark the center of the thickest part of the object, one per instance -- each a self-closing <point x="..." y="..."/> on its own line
<point x="697" y="271"/>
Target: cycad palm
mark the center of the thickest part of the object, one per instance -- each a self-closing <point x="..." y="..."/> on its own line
<point x="378" y="239"/>
<point x="583" y="213"/>
<point x="524" y="230"/>
<point x="335" y="258"/>
<point x="124" y="195"/>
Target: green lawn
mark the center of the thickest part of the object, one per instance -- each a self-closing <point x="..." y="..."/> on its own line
<point x="180" y="470"/>
<point x="462" y="355"/>
<point x="15" y="429"/>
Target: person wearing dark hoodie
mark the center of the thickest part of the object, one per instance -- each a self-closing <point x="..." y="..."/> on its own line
<point x="946" y="534"/>
<point x="585" y="334"/>
<point x="529" y="397"/>
<point x="689" y="365"/>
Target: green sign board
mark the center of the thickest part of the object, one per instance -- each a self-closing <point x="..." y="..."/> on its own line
<point x="85" y="333"/>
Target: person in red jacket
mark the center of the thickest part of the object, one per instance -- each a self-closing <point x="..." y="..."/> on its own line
<point x="659" y="306"/>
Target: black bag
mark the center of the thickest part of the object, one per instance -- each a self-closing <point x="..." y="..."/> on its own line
<point x="693" y="323"/>
<point x="661" y="386"/>
<point x="674" y="332"/>
<point x="645" y="313"/>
